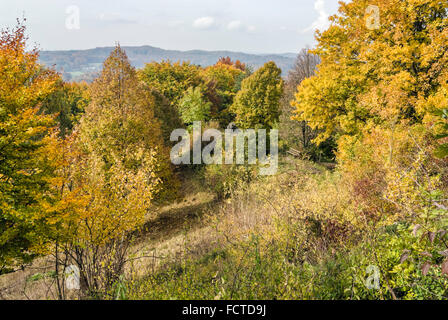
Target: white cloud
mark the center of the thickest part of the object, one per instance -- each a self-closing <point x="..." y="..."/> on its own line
<point x="234" y="25"/>
<point x="251" y="29"/>
<point x="204" y="23"/>
<point x="321" y="22"/>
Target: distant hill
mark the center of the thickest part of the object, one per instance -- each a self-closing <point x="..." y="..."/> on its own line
<point x="77" y="65"/>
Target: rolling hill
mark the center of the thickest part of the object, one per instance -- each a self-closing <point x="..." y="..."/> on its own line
<point x="77" y="65"/>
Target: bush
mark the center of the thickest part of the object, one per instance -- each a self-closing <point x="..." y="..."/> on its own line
<point x="223" y="180"/>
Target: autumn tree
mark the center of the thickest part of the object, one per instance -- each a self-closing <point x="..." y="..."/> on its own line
<point x="24" y="137"/>
<point x="171" y="79"/>
<point x="375" y="93"/>
<point x="257" y="103"/>
<point x="219" y="83"/>
<point x="115" y="167"/>
<point x="372" y="75"/>
<point x="224" y="77"/>
<point x="99" y="207"/>
<point x="228" y="61"/>
<point x="120" y="118"/>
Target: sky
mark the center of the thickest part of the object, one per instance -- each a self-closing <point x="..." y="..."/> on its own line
<point x="252" y="26"/>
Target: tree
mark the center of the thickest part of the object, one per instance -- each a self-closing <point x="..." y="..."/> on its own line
<point x="68" y="101"/>
<point x="228" y="61"/>
<point x="171" y="79"/>
<point x="374" y="93"/>
<point x="24" y="139"/>
<point x="298" y="134"/>
<point x="114" y="168"/>
<point x="224" y="78"/>
<point x="257" y="103"/>
<point x="120" y="119"/>
<point x="167" y="114"/>
<point x="193" y="106"/>
<point x="370" y="76"/>
<point x="98" y="209"/>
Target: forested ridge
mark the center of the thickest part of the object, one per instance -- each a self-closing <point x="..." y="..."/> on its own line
<point x="83" y="65"/>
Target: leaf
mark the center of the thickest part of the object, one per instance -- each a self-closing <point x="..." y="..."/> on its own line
<point x="444" y="253"/>
<point x="425" y="268"/>
<point x="426" y="254"/>
<point x="442" y="233"/>
<point x="445" y="267"/>
<point x="431" y="236"/>
<point x="441" y="136"/>
<point x="416" y="228"/>
<point x="442" y="151"/>
<point x="404" y="256"/>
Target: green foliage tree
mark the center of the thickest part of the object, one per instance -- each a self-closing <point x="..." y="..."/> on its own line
<point x="224" y="79"/>
<point x="194" y="107"/>
<point x="167" y="113"/>
<point x="257" y="103"/>
<point x="69" y="102"/>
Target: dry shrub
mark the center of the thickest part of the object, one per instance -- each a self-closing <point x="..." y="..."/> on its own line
<point x="375" y="160"/>
<point x="304" y="206"/>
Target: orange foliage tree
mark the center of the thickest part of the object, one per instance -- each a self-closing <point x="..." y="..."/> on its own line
<point x="25" y="135"/>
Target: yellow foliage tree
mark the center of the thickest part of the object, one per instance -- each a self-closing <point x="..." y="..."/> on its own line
<point x="379" y="74"/>
<point x="375" y="92"/>
<point x="111" y="169"/>
<point x="25" y="135"/>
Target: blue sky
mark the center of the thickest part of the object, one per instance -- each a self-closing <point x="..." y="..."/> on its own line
<point x="254" y="26"/>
